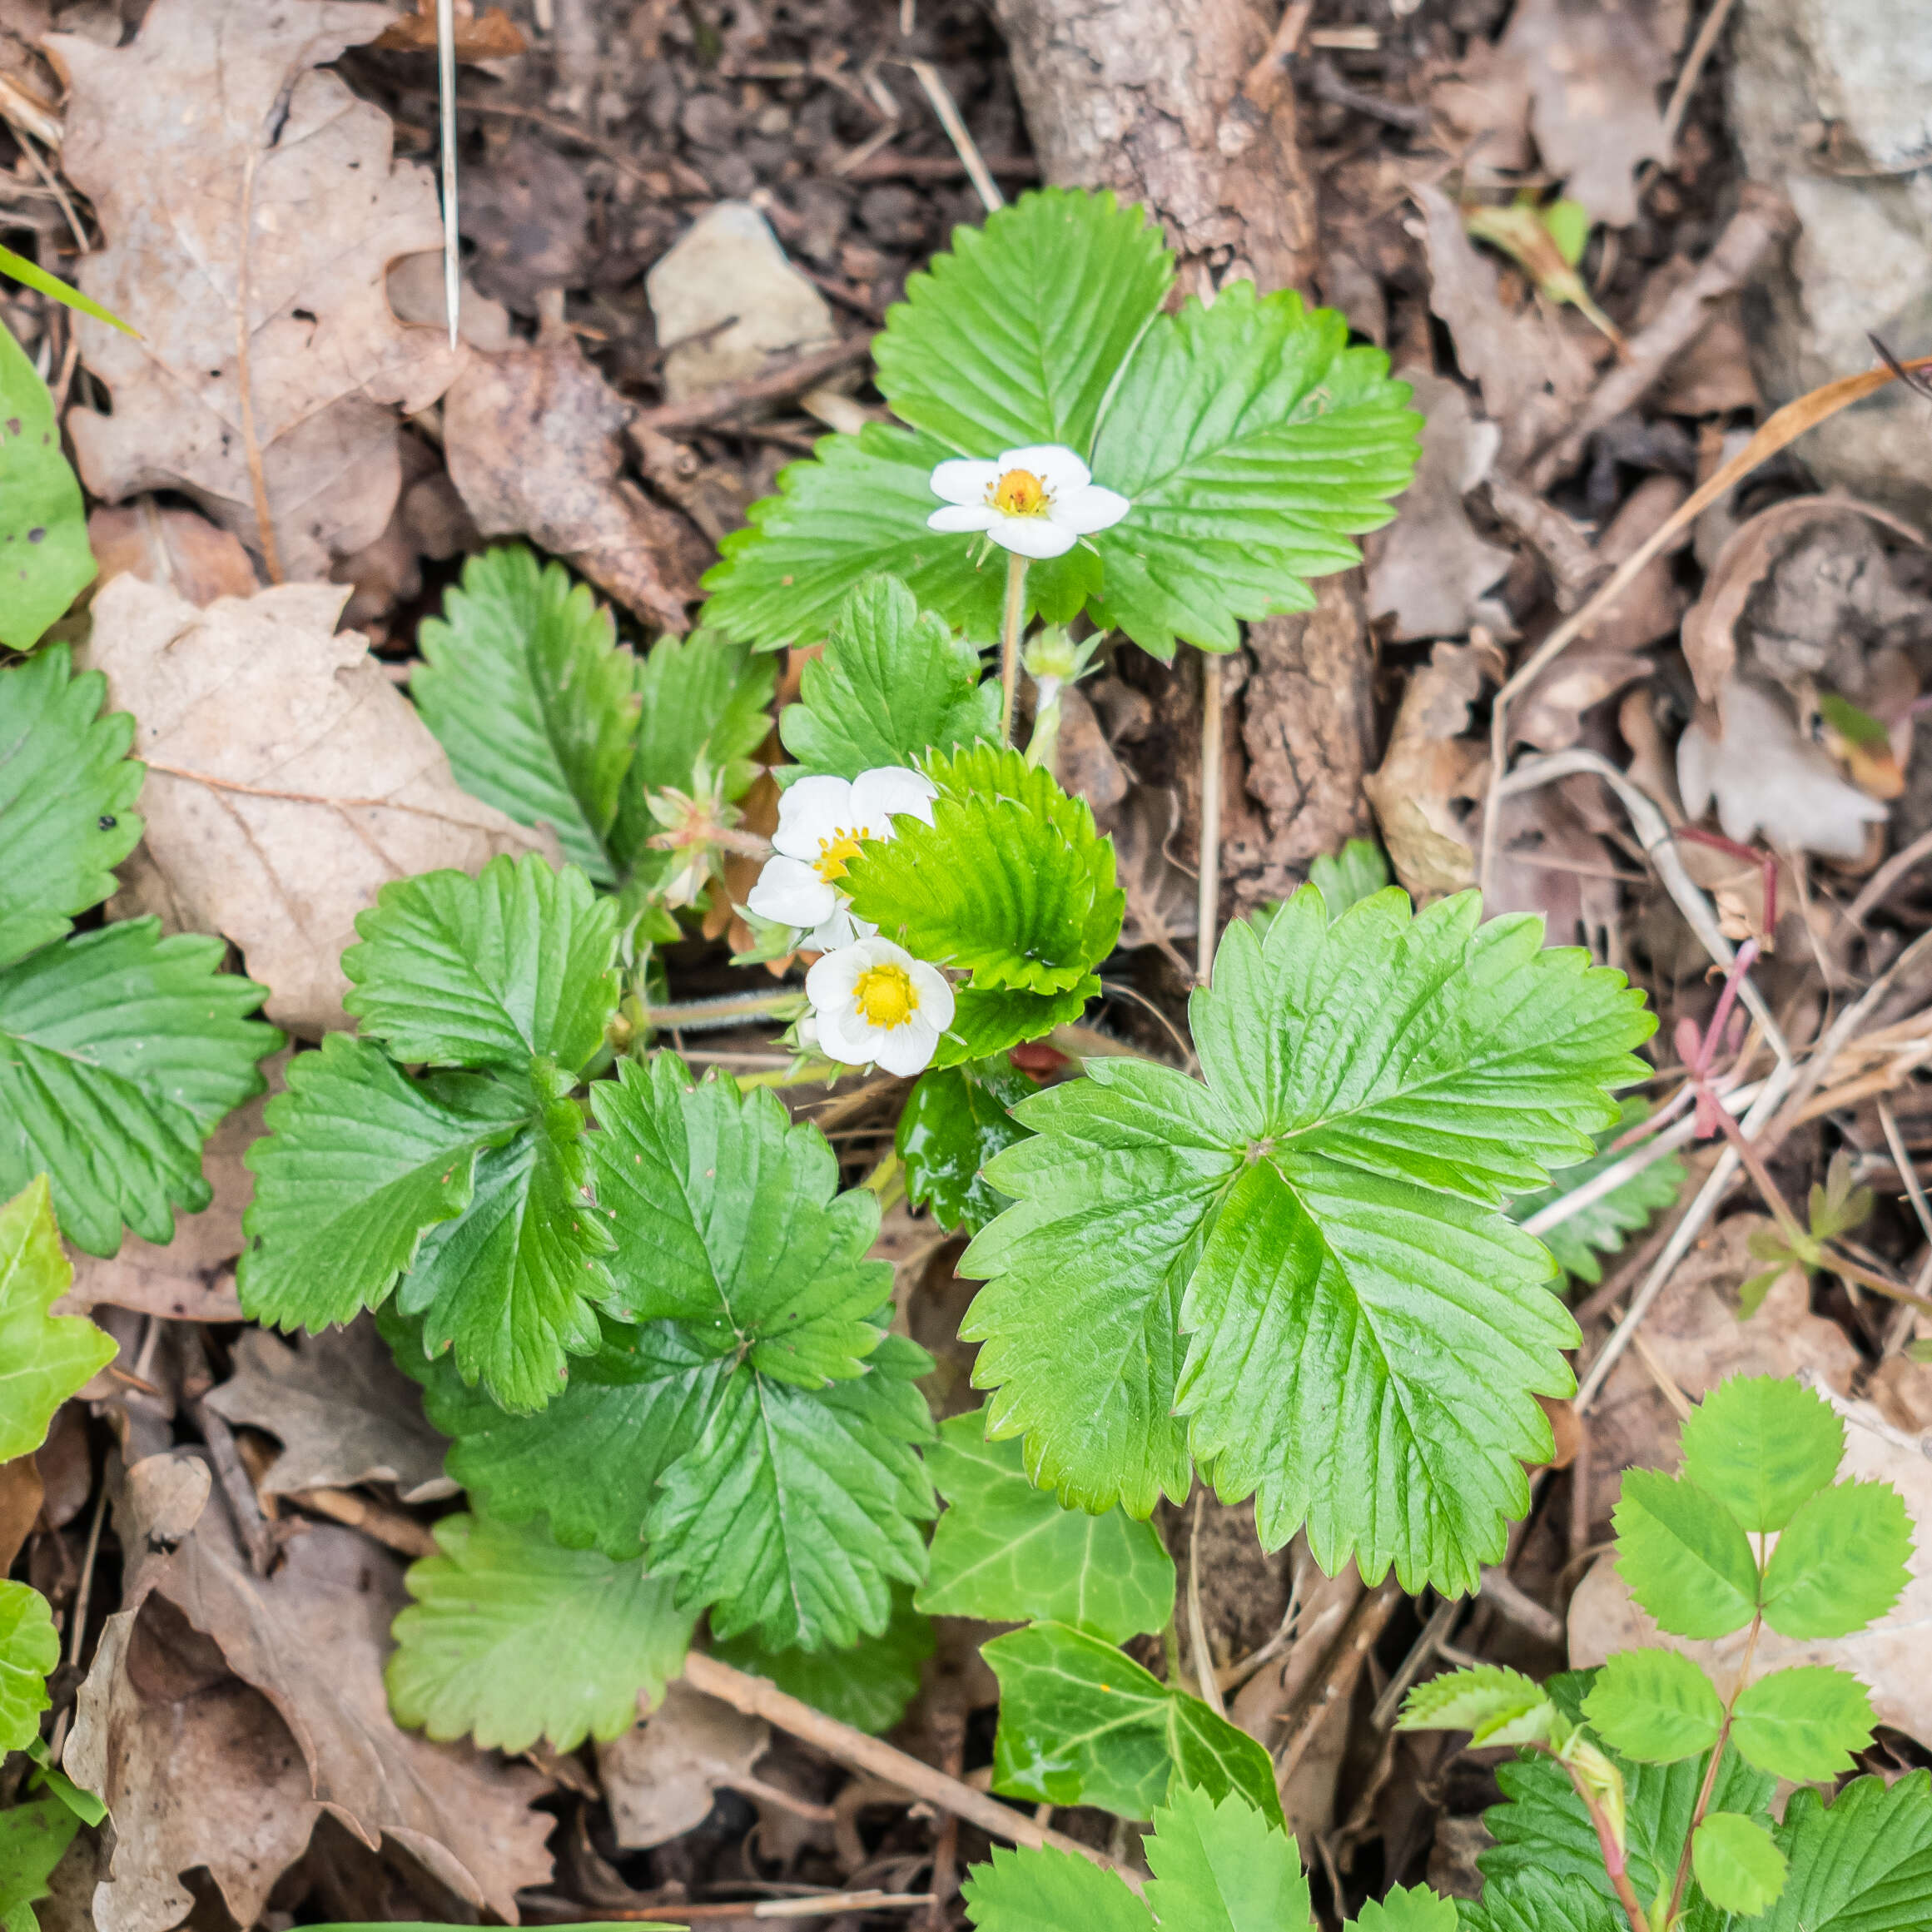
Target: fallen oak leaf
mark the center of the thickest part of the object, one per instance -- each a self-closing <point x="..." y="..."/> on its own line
<point x="662" y="1775"/>
<point x="492" y="36"/>
<point x="1431" y="771"/>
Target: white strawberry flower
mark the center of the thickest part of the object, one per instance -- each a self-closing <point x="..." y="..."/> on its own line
<point x="874" y="1003"/>
<point x="1037" y="502"/>
<point x="821" y="822"/>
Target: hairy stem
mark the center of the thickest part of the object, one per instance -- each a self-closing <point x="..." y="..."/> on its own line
<point x="1010" y="626"/>
<point x="1705" y="1790"/>
<point x="1209" y="903"/>
<point x="695" y="1014"/>
<point x="1613" y="1859"/>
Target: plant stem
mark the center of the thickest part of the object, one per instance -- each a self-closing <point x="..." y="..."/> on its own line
<point x="695" y="1014"/>
<point x="1010" y="626"/>
<point x="1697" y="1811"/>
<point x="1613" y="1859"/>
<point x="1209" y="903"/>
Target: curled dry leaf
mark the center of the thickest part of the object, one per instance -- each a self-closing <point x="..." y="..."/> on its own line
<point x="175" y="547"/>
<point x="1713" y="376"/>
<point x="1546" y="862"/>
<point x="660" y="1777"/>
<point x="490" y="35"/>
<point x="316" y="783"/>
<point x="273" y="192"/>
<point x="1430" y="773"/>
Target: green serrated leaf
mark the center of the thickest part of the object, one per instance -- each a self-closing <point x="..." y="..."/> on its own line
<point x="1863" y="1864"/>
<point x="1685" y="1556"/>
<point x="33" y="1838"/>
<point x="1535" y="1903"/>
<point x="1408" y="1908"/>
<point x="1760" y="1445"/>
<point x="120" y="1052"/>
<point x="868" y="1684"/>
<point x="68" y="789"/>
<point x="986" y="1023"/>
<point x="1493" y="1704"/>
<point x="45" y="562"/>
<point x="489" y="971"/>
<point x="1358" y="871"/>
<point x="1050" y="1891"/>
<point x="1219" y="1866"/>
<point x="1081" y="1723"/>
<point x="1803" y="1723"/>
<point x="1654" y="1707"/>
<point x="30" y="1648"/>
<point x="1740" y="1868"/>
<point x="955" y="1120"/>
<point x="526" y="687"/>
<point x="1600" y="1228"/>
<point x="44" y="1358"/>
<point x="1011" y="882"/>
<point x="1006" y="1551"/>
<point x="1319" y="1215"/>
<point x="892" y="684"/>
<point x="511" y="1637"/>
<point x="1841" y="1563"/>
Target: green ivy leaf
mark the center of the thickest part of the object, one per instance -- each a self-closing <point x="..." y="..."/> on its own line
<point x="867" y="1685"/>
<point x="1533" y="1903"/>
<point x="1006" y="1551"/>
<point x="44" y="1358"/>
<point x="120" y="1052"/>
<point x="1740" y="1868"/>
<point x="1319" y="1216"/>
<point x="45" y="562"/>
<point x="511" y="1637"/>
<point x="526" y="687"/>
<point x="1655" y="1706"/>
<point x="30" y="1648"/>
<point x="1358" y="871"/>
<point x="955" y="1120"/>
<point x="1761" y="1445"/>
<point x="1685" y="1556"/>
<point x="892" y="684"/>
<point x="1600" y="1228"/>
<point x="68" y="789"/>
<point x="1493" y="1704"/>
<point x="1863" y="1864"/>
<point x="1050" y="1891"/>
<point x="1840" y="1562"/>
<point x="1081" y="1723"/>
<point x="1011" y="881"/>
<point x="489" y="971"/>
<point x="33" y="1838"/>
<point x="1803" y="1723"/>
<point x="985" y="1023"/>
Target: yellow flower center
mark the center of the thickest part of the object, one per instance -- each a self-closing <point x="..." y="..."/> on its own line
<point x="885" y="996"/>
<point x="834" y="853"/>
<point x="1020" y="493"/>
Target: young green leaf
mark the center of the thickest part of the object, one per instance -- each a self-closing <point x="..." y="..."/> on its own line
<point x="1050" y="1891"/>
<point x="525" y="686"/>
<point x="512" y="1638"/>
<point x="955" y="1120"/>
<point x="1358" y="871"/>
<point x="1319" y="1215"/>
<point x="489" y="971"/>
<point x="43" y="522"/>
<point x="1219" y="1866"/>
<point x="32" y="275"/>
<point x="119" y="1051"/>
<point x="1655" y="1706"/>
<point x="1685" y="1556"/>
<point x="1408" y="1908"/>
<point x="985" y="1023"/>
<point x="1493" y="1704"/>
<point x="1081" y="1723"/>
<point x="1011" y="881"/>
<point x="1005" y="1551"/>
<point x="33" y="1837"/>
<point x="1535" y="1903"/>
<point x="1740" y="1868"/>
<point x="68" y="789"/>
<point x="1840" y="1562"/>
<point x="1760" y="1445"/>
<point x="30" y="1648"/>
<point x="868" y="1684"/>
<point x="1803" y="1723"/>
<point x="892" y="684"/>
<point x="1863" y="1864"/>
<point x="1600" y="1228"/>
<point x="44" y="1358"/>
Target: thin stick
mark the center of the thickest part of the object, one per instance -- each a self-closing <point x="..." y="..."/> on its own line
<point x="774" y="386"/>
<point x="1701" y="49"/>
<point x="1343" y="1667"/>
<point x="1210" y="881"/>
<point x="964" y="145"/>
<point x="446" y="105"/>
<point x="79" y="1630"/>
<point x="1012" y="622"/>
<point x="757" y="1697"/>
<point x="257" y="475"/>
<point x="1887" y="875"/>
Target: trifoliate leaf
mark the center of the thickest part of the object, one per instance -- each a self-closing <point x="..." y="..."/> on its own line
<point x="120" y="1052"/>
<point x="1219" y="1866"/>
<point x="45" y="562"/>
<point x="1358" y="871"/>
<point x="68" y="789"/>
<point x="1081" y="1723"/>
<point x="1408" y="1908"/>
<point x="511" y="1637"/>
<point x="1011" y="882"/>
<point x="1253" y="443"/>
<point x="1863" y="1864"/>
<point x="1493" y="1704"/>
<point x="986" y="1023"/>
<point x="1685" y="1556"/>
<point x="1006" y="1551"/>
<point x="1600" y="1228"/>
<point x="489" y="971"/>
<point x="44" y="1358"/>
<point x="1738" y="1866"/>
<point x="1760" y="1445"/>
<point x="1050" y="1891"/>
<point x="1840" y="1562"/>
<point x="955" y="1120"/>
<point x="1324" y="1202"/>
<point x="892" y="684"/>
<point x="993" y="348"/>
<point x="1803" y="1723"/>
<point x="1534" y="1903"/>
<point x="30" y="1648"/>
<point x="525" y="686"/>
<point x="1655" y="1706"/>
<point x="868" y="1684"/>
<point x="33" y="1837"/>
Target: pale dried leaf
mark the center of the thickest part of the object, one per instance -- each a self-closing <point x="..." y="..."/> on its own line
<point x="171" y="546"/>
<point x="660" y="1776"/>
<point x="1481" y="105"/>
<point x="1713" y="376"/>
<point x="1429" y="774"/>
<point x="1545" y="862"/>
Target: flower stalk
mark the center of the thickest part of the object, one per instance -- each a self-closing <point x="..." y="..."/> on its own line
<point x="1010" y="625"/>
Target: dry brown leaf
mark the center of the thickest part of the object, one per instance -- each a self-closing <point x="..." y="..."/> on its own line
<point x="263" y="695"/>
<point x="1713" y="376"/>
<point x="1163" y="896"/>
<point x="22" y="1493"/>
<point x="660" y="1777"/>
<point x="491" y="36"/>
<point x="1545" y="862"/>
<point x="1083" y="761"/>
<point x="343" y="1412"/>
<point x="1429" y="773"/>
<point x="171" y="546"/>
<point x="1482" y="109"/>
<point x="430" y="521"/>
<point x="533" y="441"/>
<point x="229" y="172"/>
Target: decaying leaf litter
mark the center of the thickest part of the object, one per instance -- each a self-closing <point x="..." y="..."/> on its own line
<point x="681" y="224"/>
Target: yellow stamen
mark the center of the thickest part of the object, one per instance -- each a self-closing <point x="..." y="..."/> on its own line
<point x="885" y="996"/>
<point x="1020" y="493"/>
<point x="834" y="853"/>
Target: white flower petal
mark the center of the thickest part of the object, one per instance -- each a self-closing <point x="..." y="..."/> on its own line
<point x="810" y="810"/>
<point x="935" y="992"/>
<point x="1054" y="464"/>
<point x="845" y="1037"/>
<point x="837" y="929"/>
<point x="1033" y="536"/>
<point x="908" y="1049"/>
<point x="829" y="984"/>
<point x="1085" y="511"/>
<point x="790" y="891"/>
<point x="964" y="480"/>
<point x="888" y="792"/>
<point x="969" y="516"/>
